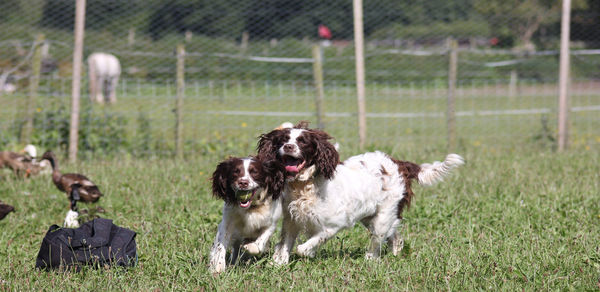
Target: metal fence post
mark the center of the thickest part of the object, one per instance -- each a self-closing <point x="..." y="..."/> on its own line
<point x="76" y="85"/>
<point x="179" y="102"/>
<point x="450" y="106"/>
<point x="34" y="84"/>
<point x="317" y="53"/>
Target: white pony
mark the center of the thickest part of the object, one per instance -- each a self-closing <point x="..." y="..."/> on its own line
<point x="104" y="72"/>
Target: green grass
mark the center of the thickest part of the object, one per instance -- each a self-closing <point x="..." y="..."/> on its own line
<point x="507" y="220"/>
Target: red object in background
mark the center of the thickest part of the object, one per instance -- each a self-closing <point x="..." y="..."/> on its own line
<point x="494" y="41"/>
<point x="324" y="32"/>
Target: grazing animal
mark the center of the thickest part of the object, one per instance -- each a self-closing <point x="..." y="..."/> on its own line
<point x="35" y="165"/>
<point x="20" y="164"/>
<point x="5" y="209"/>
<point x="104" y="71"/>
<point x="250" y="188"/>
<point x="323" y="196"/>
<point x="77" y="187"/>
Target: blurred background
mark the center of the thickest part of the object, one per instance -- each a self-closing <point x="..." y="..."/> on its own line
<point x="250" y="65"/>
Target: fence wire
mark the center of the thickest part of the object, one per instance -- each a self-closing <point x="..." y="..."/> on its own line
<point x="249" y="67"/>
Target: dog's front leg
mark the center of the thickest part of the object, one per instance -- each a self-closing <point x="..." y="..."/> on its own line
<point x="309" y="248"/>
<point x="288" y="239"/>
<point x="235" y="252"/>
<point x="219" y="249"/>
<point x="258" y="246"/>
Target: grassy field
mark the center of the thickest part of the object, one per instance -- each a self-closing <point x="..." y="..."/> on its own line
<point x="509" y="220"/>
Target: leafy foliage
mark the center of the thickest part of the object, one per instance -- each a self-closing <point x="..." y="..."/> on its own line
<point x="99" y="132"/>
<point x="515" y="21"/>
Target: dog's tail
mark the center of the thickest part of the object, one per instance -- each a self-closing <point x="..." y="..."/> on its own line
<point x="432" y="173"/>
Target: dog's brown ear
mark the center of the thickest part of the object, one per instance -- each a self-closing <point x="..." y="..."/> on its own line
<point x="221" y="186"/>
<point x="326" y="157"/>
<point x="274" y="177"/>
<point x="268" y="143"/>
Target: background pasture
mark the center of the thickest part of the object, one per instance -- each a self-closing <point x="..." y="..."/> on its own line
<point x="231" y="112"/>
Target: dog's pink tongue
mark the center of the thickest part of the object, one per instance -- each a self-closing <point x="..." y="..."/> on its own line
<point x="291" y="168"/>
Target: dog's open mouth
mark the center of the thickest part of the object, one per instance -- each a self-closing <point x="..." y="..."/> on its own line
<point x="245" y="197"/>
<point x="293" y="165"/>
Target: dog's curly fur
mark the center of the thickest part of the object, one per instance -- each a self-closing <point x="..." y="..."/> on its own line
<point x="251" y="223"/>
<point x="323" y="196"/>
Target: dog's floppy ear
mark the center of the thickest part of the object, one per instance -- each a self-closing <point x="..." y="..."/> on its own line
<point x="267" y="144"/>
<point x="221" y="186"/>
<point x="274" y="177"/>
<point x="326" y="157"/>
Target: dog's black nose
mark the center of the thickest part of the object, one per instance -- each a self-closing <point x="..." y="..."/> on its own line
<point x="243" y="183"/>
<point x="287" y="148"/>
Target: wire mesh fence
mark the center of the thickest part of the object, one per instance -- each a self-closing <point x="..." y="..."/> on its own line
<point x="249" y="66"/>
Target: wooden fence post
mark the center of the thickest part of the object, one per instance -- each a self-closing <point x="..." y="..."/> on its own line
<point x="34" y="84"/>
<point x="131" y="37"/>
<point x="317" y="54"/>
<point x="563" y="77"/>
<point x="179" y="102"/>
<point x="450" y="106"/>
<point x="244" y="44"/>
<point x="359" y="48"/>
<point x="76" y="82"/>
<point x="512" y="86"/>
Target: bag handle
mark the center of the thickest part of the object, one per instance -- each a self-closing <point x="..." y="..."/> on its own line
<point x="100" y="235"/>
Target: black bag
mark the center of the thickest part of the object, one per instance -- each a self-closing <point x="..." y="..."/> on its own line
<point x="97" y="242"/>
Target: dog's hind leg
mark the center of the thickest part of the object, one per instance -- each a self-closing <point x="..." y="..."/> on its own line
<point x="382" y="226"/>
<point x="235" y="252"/>
<point x="395" y="241"/>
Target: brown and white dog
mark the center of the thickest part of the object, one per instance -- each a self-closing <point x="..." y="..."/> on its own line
<point x="251" y="189"/>
<point x="323" y="196"/>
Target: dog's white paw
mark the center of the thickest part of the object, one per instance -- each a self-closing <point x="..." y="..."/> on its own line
<point x="397" y="246"/>
<point x="252" y="248"/>
<point x="371" y="256"/>
<point x="217" y="267"/>
<point x="280" y="257"/>
<point x="306" y="251"/>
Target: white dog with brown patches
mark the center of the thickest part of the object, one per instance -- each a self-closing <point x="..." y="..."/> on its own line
<point x="323" y="196"/>
<point x="251" y="189"/>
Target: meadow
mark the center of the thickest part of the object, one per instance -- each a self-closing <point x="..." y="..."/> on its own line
<point x="510" y="220"/>
<point x="517" y="216"/>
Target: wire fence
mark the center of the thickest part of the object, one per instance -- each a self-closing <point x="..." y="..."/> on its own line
<point x="249" y="66"/>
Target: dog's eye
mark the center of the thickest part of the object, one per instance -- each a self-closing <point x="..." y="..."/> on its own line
<point x="253" y="171"/>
